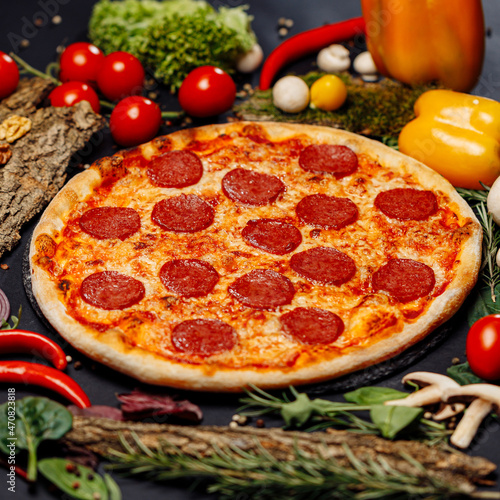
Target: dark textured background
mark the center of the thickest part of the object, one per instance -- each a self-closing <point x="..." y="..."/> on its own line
<point x="102" y="384"/>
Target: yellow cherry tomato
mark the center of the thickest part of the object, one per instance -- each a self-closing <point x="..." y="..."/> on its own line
<point x="328" y="93"/>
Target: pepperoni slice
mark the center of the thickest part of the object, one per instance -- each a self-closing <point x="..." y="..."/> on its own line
<point x="272" y="235"/>
<point x="203" y="337"/>
<point x="251" y="188"/>
<point x="183" y="214"/>
<point x="329" y="158"/>
<point x="405" y="279"/>
<point x="106" y="223"/>
<point x="324" y="265"/>
<point x="407" y="204"/>
<point x="189" y="277"/>
<point x="111" y="290"/>
<point x="312" y="326"/>
<point x="327" y="212"/>
<point x="263" y="289"/>
<point x="175" y="169"/>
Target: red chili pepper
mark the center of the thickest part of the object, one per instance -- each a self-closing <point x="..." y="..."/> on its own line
<point x="305" y="43"/>
<point x="32" y="343"/>
<point x="43" y="376"/>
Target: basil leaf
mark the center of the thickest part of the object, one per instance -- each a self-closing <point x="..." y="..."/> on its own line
<point x="298" y="412"/>
<point x="78" y="482"/>
<point x="368" y="396"/>
<point x="483" y="305"/>
<point x="463" y="374"/>
<point x="391" y="420"/>
<point x="36" y="419"/>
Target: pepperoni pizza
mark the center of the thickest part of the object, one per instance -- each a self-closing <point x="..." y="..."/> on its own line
<point x="272" y="254"/>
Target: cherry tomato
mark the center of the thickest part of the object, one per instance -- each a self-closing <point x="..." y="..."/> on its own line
<point x="9" y="75"/>
<point x="134" y="120"/>
<point x="207" y="91"/>
<point x="328" y="93"/>
<point x="70" y="93"/>
<point x="121" y="75"/>
<point x="483" y="347"/>
<point x="80" y="62"/>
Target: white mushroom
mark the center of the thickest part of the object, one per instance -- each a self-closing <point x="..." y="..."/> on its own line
<point x="493" y="201"/>
<point x="291" y="94"/>
<point x="333" y="59"/>
<point x="433" y="386"/>
<point x="365" y="66"/>
<point x="250" y="61"/>
<point x="485" y="399"/>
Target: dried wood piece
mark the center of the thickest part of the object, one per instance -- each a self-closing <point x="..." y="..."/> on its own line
<point x="36" y="170"/>
<point x="100" y="435"/>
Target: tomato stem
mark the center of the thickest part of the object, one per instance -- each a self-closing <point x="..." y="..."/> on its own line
<point x="32" y="70"/>
<point x="166" y="115"/>
<point x="106" y="104"/>
<point x="172" y="114"/>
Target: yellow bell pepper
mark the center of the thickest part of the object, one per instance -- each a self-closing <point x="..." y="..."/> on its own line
<point x="418" y="41"/>
<point x="456" y="134"/>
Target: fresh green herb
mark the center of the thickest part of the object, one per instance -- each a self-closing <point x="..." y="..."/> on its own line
<point x="379" y="110"/>
<point x="490" y="272"/>
<point x="173" y="37"/>
<point x="14" y="320"/>
<point x="233" y="472"/>
<point x="463" y="374"/>
<point x="113" y="489"/>
<point x="391" y="420"/>
<point x="36" y="420"/>
<point x="75" y="480"/>
<point x="373" y="395"/>
<point x="319" y="414"/>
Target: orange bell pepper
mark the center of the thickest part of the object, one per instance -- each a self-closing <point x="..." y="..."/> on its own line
<point x="418" y="41"/>
<point x="456" y="134"/>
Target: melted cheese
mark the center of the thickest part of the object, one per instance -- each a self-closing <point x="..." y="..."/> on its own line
<point x="370" y="241"/>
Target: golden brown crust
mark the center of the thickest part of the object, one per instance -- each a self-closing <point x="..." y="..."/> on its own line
<point x="112" y="348"/>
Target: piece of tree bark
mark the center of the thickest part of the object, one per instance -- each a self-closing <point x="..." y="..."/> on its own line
<point x="36" y="170"/>
<point x="101" y="435"/>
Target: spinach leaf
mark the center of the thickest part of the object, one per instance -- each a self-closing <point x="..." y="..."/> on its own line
<point x="76" y="480"/>
<point x="373" y="395"/>
<point x="391" y="420"/>
<point x="463" y="374"/>
<point x="36" y="419"/>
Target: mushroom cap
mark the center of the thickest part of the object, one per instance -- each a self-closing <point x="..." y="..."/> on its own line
<point x="334" y="58"/>
<point x="486" y="392"/>
<point x="290" y="94"/>
<point x="428" y="378"/>
<point x="493" y="201"/>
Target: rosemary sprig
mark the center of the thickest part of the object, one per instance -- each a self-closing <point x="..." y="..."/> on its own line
<point x="319" y="414"/>
<point x="233" y="472"/>
<point x="490" y="272"/>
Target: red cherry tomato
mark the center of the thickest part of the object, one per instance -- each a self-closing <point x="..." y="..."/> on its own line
<point x="134" y="120"/>
<point x="70" y="93"/>
<point x="207" y="91"/>
<point x="80" y="62"/>
<point x="483" y="347"/>
<point x="9" y="75"/>
<point x="121" y="75"/>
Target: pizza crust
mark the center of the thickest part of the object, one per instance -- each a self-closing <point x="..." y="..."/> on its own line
<point x="110" y="348"/>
